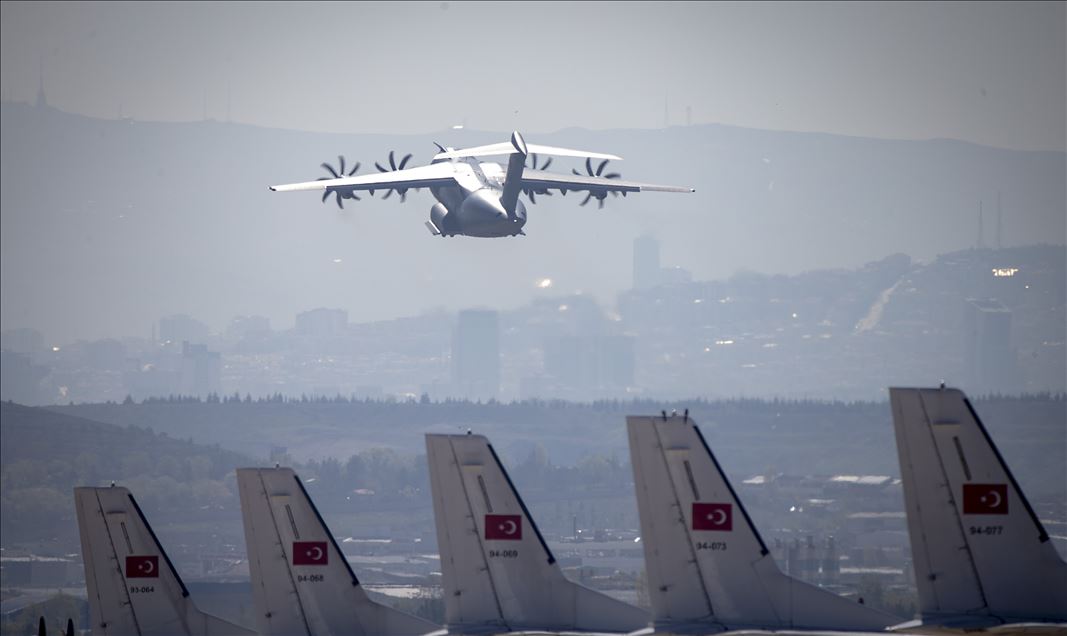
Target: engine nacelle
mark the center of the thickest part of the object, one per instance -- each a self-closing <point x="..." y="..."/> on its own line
<point x="439" y="217"/>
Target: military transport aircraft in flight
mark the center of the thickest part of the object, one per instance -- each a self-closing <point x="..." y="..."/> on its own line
<point x="478" y="198"/>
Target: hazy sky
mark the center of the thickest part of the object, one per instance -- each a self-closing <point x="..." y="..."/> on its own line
<point x="992" y="73"/>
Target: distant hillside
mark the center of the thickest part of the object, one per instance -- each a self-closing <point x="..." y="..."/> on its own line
<point x="126" y="221"/>
<point x="45" y="454"/>
<point x="750" y="436"/>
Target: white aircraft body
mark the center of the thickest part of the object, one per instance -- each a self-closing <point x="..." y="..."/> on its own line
<point x="480" y="198"/>
<point x="708" y="569"/>
<point x="301" y="581"/>
<point x="983" y="560"/>
<point x="498" y="573"/>
<point x="133" y="587"/>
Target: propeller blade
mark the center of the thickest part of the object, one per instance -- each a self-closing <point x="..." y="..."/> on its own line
<point x="352" y="195"/>
<point x="589" y="166"/>
<point x="600" y="204"/>
<point x="339" y="204"/>
<point x="533" y="199"/>
<point x="330" y="168"/>
<point x="403" y="196"/>
<point x="341" y="160"/>
<point x="354" y="168"/>
<point x="387" y="195"/>
<point x="612" y="175"/>
<point x="325" y="194"/>
<point x="548" y="162"/>
<point x="576" y="172"/>
<point x="586" y="199"/>
<point x="405" y="160"/>
<point x="392" y="160"/>
<point x="379" y="167"/>
<point x="600" y="168"/>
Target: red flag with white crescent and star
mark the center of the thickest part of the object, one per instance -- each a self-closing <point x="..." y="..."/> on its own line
<point x="713" y="516"/>
<point x="503" y="527"/>
<point x="142" y="567"/>
<point x="985" y="499"/>
<point x="310" y="553"/>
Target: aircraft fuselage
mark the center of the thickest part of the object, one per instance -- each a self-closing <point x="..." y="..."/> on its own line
<point x="473" y="207"/>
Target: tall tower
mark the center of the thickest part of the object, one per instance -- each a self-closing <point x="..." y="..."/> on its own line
<point x="42" y="99"/>
<point x="476" y="354"/>
<point x="646" y="262"/>
<point x="1000" y="224"/>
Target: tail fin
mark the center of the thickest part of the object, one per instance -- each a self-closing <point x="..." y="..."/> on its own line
<point x="133" y="587"/>
<point x="705" y="560"/>
<point x="981" y="555"/>
<point x="498" y="571"/>
<point x="301" y="581"/>
<point x="513" y="179"/>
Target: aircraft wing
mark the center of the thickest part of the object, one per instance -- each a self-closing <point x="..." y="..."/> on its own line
<point x="538" y="180"/>
<point x="438" y="174"/>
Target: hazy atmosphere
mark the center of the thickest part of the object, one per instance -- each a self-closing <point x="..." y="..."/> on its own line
<point x="878" y="200"/>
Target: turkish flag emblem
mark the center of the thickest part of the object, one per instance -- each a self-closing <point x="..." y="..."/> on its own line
<point x="310" y="553"/>
<point x="503" y="527"/>
<point x="985" y="499"/>
<point x="142" y="567"/>
<point x="713" y="516"/>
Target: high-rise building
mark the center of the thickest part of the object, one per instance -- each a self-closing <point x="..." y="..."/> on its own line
<point x="646" y="262"/>
<point x="180" y="327"/>
<point x="989" y="356"/>
<point x="476" y="354"/>
<point x="322" y="322"/>
<point x="201" y="370"/>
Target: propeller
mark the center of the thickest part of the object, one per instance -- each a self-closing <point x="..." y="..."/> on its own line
<point x="338" y="174"/>
<point x="393" y="167"/>
<point x="599" y="172"/>
<point x="530" y="192"/>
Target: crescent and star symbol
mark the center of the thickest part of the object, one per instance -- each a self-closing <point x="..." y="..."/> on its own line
<point x="985" y="499"/>
<point x="712" y="516"/>
<point x="503" y="527"/>
<point x="310" y="553"/>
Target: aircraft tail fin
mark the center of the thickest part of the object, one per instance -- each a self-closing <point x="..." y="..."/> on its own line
<point x="301" y="581"/>
<point x="132" y="584"/>
<point x="981" y="554"/>
<point x="513" y="179"/>
<point x="497" y="570"/>
<point x="706" y="562"/>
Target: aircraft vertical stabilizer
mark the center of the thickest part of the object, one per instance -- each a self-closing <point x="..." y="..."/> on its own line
<point x="133" y="587"/>
<point x="497" y="570"/>
<point x="706" y="563"/>
<point x="981" y="555"/>
<point x="301" y="581"/>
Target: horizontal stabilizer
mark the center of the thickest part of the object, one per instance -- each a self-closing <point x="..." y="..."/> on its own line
<point x="132" y="585"/>
<point x="511" y="147"/>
